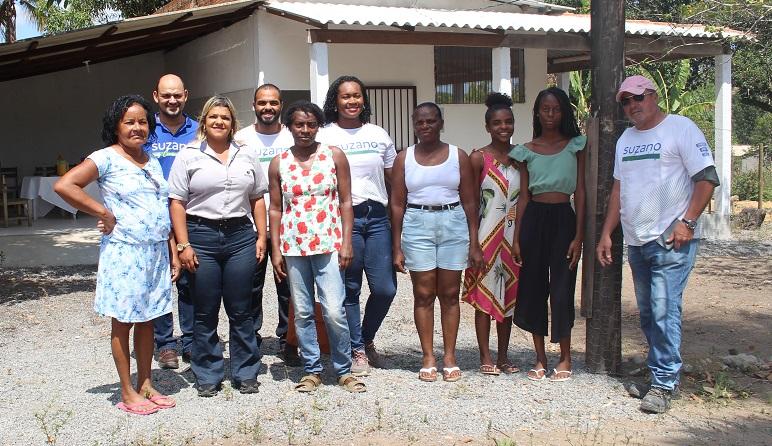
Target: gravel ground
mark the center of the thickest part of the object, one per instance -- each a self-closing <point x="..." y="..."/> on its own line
<point x="58" y="383"/>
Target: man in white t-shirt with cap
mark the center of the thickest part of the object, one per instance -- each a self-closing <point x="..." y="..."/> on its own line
<point x="664" y="177"/>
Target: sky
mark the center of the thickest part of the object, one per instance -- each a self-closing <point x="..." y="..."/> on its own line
<point x="24" y="27"/>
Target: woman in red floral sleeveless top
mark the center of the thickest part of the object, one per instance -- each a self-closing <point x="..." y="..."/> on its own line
<point x="311" y="221"/>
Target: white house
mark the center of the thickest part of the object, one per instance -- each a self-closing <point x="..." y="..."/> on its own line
<point x="56" y="88"/>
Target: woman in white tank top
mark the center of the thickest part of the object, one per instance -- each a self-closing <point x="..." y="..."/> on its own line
<point x="434" y="232"/>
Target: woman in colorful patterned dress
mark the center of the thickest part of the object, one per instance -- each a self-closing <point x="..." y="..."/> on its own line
<point x="134" y="278"/>
<point x="492" y="290"/>
<point x="311" y="221"/>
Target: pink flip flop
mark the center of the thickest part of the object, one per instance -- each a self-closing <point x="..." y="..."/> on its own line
<point x="136" y="408"/>
<point x="168" y="405"/>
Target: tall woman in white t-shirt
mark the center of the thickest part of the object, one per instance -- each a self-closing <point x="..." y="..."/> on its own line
<point x="434" y="232"/>
<point x="370" y="152"/>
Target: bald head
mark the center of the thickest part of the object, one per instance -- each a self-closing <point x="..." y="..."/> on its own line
<point x="170" y="81"/>
<point x="171" y="96"/>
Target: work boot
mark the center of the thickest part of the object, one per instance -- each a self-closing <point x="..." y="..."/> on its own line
<point x="656" y="400"/>
<point x="373" y="357"/>
<point x="167" y="359"/>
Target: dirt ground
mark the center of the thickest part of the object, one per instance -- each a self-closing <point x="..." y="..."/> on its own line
<point x="727" y="309"/>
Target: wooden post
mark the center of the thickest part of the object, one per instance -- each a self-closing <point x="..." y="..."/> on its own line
<point x="761" y="176"/>
<point x="604" y="318"/>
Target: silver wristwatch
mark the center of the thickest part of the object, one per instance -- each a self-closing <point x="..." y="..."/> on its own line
<point x="690" y="224"/>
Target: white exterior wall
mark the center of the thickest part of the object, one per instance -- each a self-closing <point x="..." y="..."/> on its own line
<point x="284" y="60"/>
<point x="283" y="52"/>
<point x="61" y="113"/>
<point x="222" y="62"/>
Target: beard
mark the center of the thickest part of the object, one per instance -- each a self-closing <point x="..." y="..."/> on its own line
<point x="171" y="114"/>
<point x="267" y="121"/>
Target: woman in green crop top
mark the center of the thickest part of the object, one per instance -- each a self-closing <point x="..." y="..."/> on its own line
<point x="548" y="234"/>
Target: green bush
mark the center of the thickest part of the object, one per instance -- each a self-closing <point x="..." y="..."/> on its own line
<point x="746" y="185"/>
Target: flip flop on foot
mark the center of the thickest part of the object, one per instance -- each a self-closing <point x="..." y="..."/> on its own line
<point x="163" y="401"/>
<point x="559" y="376"/>
<point x="489" y="369"/>
<point x="308" y="383"/>
<point x="537" y="374"/>
<point x="508" y="368"/>
<point x="428" y="374"/>
<point x="143" y="407"/>
<point x="351" y="383"/>
<point x="451" y="374"/>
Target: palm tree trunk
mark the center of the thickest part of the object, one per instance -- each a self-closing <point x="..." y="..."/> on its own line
<point x="8" y="20"/>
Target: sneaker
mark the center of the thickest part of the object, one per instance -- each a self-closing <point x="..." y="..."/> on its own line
<point x="656" y="400"/>
<point x="208" y="390"/>
<point x="639" y="391"/>
<point x="373" y="357"/>
<point x="167" y="359"/>
<point x="359" y="364"/>
<point x="249" y="386"/>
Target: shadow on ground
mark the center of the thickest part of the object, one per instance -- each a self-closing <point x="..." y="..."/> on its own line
<point x="23" y="284"/>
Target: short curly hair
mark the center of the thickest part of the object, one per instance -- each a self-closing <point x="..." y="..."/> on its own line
<point x="115" y="112"/>
<point x="331" y="101"/>
<point x="302" y="106"/>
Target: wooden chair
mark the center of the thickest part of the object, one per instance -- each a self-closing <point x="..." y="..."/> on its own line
<point x="21" y="207"/>
<point x="11" y="180"/>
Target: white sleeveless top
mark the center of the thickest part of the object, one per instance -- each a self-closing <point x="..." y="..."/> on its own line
<point x="432" y="185"/>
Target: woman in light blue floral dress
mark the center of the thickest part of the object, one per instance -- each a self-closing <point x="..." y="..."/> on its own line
<point x="134" y="276"/>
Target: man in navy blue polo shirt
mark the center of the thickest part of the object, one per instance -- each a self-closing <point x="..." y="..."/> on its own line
<point x="174" y="130"/>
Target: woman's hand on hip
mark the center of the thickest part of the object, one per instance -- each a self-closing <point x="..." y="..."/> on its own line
<point x="106" y="223"/>
<point x="188" y="259"/>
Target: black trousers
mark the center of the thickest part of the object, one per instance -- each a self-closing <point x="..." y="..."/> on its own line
<point x="546" y="231"/>
<point x="282" y="295"/>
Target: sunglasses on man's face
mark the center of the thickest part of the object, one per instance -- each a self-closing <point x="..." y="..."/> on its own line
<point x="636" y="97"/>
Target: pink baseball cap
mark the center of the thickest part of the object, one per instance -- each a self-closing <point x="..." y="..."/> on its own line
<point x="636" y="85"/>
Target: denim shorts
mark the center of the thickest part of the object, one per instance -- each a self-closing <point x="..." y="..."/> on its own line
<point x="435" y="239"/>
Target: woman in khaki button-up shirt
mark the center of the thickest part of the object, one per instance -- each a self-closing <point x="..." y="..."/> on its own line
<point x="215" y="185"/>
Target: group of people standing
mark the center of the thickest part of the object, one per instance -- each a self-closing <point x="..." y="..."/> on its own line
<point x="325" y="195"/>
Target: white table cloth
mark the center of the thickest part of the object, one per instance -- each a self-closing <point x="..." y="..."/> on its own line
<point x="41" y="191"/>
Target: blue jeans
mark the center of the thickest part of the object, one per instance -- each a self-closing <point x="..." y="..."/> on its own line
<point x="282" y="295"/>
<point x="322" y="270"/>
<point x="163" y="326"/>
<point x="226" y="256"/>
<point x="660" y="277"/>
<point x="371" y="241"/>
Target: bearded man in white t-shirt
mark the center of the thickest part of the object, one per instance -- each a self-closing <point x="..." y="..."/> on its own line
<point x="269" y="138"/>
<point x="664" y="177"/>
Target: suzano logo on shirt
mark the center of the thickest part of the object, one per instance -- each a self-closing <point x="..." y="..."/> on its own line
<point x="359" y="147"/>
<point x="163" y="149"/>
<point x="641" y="152"/>
<point x="267" y="153"/>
